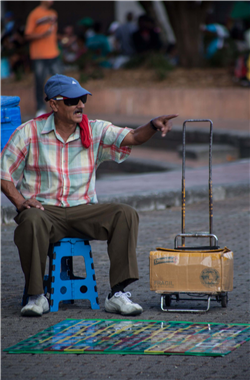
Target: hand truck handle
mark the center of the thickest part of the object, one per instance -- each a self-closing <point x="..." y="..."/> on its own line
<point x="197" y="235"/>
<point x="209" y="180"/>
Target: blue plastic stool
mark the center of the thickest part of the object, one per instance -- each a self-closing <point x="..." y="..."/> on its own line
<point x="61" y="283"/>
<point x="64" y="286"/>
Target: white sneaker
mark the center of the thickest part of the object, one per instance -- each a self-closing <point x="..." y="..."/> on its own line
<point x="37" y="306"/>
<point x="40" y="112"/>
<point x="121" y="304"/>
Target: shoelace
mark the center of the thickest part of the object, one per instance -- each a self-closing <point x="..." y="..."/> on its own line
<point x="126" y="296"/>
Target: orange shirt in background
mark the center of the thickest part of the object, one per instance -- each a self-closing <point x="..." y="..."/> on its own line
<point x="39" y="21"/>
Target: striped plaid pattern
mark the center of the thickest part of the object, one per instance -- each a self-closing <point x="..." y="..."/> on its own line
<point x="58" y="173"/>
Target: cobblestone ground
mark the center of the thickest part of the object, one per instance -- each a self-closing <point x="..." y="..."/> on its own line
<point x="157" y="228"/>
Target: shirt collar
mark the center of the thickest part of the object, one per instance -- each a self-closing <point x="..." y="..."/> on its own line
<point x="49" y="126"/>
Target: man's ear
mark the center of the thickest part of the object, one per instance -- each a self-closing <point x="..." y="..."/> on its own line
<point x="53" y="105"/>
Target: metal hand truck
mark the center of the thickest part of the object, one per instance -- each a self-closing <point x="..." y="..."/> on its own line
<point x="221" y="297"/>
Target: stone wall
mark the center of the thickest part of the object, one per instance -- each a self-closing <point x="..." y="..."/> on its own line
<point x="212" y="103"/>
<point x="226" y="103"/>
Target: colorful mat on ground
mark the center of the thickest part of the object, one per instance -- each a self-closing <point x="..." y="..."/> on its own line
<point x="116" y="336"/>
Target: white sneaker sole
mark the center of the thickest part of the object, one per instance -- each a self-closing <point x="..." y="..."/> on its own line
<point x="135" y="312"/>
<point x="32" y="312"/>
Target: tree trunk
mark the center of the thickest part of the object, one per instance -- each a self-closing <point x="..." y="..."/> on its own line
<point x="185" y="18"/>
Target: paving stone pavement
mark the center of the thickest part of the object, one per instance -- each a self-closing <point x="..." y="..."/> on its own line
<point x="157" y="228"/>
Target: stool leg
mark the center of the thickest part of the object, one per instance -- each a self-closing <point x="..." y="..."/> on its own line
<point x="92" y="287"/>
<point x="64" y="285"/>
<point x="66" y="272"/>
<point x="86" y="288"/>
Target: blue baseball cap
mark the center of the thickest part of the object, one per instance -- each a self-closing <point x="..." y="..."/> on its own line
<point x="65" y="86"/>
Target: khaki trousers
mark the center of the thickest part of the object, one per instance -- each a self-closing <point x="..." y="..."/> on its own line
<point x="115" y="223"/>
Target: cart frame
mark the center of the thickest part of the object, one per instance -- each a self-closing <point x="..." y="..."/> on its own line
<point x="221" y="297"/>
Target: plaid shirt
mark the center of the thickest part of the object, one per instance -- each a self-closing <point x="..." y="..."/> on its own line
<point x="58" y="173"/>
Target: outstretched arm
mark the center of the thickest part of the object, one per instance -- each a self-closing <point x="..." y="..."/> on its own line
<point x="142" y="134"/>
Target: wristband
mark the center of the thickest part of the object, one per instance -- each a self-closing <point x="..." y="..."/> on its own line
<point x="152" y="125"/>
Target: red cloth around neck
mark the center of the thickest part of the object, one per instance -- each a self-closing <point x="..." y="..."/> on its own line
<point x="44" y="115"/>
<point x="84" y="129"/>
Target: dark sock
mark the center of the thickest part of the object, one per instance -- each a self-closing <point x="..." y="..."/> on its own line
<point x="116" y="289"/>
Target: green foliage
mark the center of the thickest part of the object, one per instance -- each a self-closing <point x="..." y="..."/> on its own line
<point x="89" y="68"/>
<point x="84" y="77"/>
<point x="158" y="61"/>
<point x="135" y="62"/>
<point x="84" y="60"/>
<point x="153" y="61"/>
<point x="226" y="56"/>
<point x="97" y="74"/>
<point x="19" y="73"/>
<point x="160" y="74"/>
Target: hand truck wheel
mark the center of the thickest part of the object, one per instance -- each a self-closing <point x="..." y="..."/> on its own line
<point x="224" y="299"/>
<point x="167" y="300"/>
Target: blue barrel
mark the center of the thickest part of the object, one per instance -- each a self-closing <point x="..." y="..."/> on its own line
<point x="10" y="117"/>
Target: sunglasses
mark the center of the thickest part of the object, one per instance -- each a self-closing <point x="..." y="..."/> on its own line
<point x="72" y="101"/>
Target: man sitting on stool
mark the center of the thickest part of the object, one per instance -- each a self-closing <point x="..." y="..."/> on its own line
<point x="54" y="158"/>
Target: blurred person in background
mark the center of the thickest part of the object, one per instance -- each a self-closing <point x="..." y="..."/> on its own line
<point x="240" y="32"/>
<point x="85" y="26"/>
<point x="124" y="33"/>
<point x="114" y="46"/>
<point x="71" y="46"/>
<point x="147" y="37"/>
<point x="98" y="44"/>
<point x="124" y="41"/>
<point x="215" y="35"/>
<point x="8" y="23"/>
<point x="41" y="33"/>
<point x="14" y="50"/>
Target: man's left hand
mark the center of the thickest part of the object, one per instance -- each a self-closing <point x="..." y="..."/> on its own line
<point x="164" y="123"/>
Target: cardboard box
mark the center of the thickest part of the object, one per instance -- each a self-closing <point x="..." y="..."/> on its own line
<point x="173" y="270"/>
